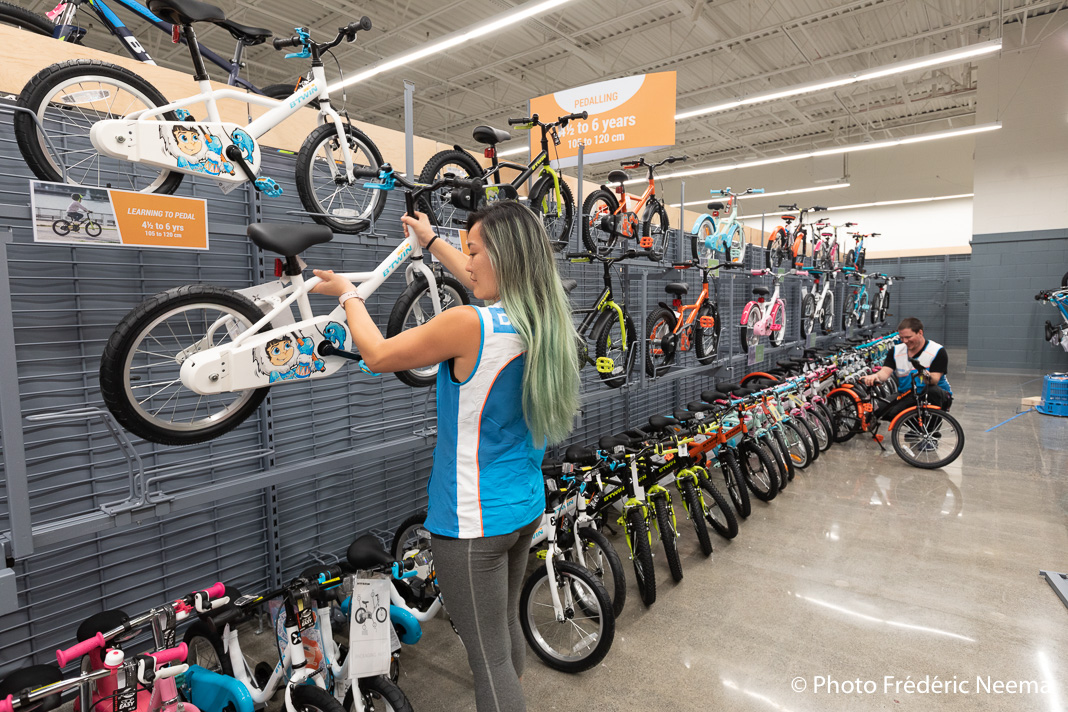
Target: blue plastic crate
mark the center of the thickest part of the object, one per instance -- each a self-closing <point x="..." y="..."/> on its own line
<point x="1055" y="395"/>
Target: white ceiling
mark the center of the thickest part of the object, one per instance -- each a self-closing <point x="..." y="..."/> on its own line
<point x="720" y="49"/>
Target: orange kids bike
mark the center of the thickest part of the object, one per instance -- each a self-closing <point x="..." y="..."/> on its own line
<point x="681" y="327"/>
<point x="789" y="243"/>
<point x="609" y="221"/>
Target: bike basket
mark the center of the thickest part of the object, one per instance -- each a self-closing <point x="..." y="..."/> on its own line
<point x="1055" y="395"/>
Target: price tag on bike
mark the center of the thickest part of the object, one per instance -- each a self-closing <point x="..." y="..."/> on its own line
<point x="126" y="698"/>
<point x="369" y="628"/>
<point x="684" y="450"/>
<point x="306" y="617"/>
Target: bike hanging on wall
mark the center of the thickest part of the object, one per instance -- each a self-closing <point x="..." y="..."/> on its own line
<point x="110" y="128"/>
<point x="726" y="237"/>
<point x="191" y="363"/>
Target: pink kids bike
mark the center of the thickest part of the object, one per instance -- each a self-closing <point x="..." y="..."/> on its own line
<point x="765" y="315"/>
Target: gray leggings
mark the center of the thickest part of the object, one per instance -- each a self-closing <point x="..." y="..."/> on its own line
<point x="481" y="580"/>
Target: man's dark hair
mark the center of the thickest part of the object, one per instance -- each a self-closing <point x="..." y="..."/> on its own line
<point x="911" y="323"/>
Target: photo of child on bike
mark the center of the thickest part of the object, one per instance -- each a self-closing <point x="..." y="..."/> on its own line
<point x="71" y="214"/>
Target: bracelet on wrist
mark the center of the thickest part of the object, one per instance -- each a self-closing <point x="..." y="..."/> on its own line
<point x="351" y="294"/>
<point x="431" y="242"/>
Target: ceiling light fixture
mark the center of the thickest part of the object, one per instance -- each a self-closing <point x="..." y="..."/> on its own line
<point x="933" y="136"/>
<point x="877" y="204"/>
<point x="497" y="22"/>
<point x="770" y="195"/>
<point x="940" y="58"/>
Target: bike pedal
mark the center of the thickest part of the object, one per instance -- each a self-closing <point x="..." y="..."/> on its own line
<point x="183" y="115"/>
<point x="646" y="242"/>
<point x="541" y="554"/>
<point x="879" y="438"/>
<point x="707" y="322"/>
<point x="268" y="187"/>
<point x="605" y="365"/>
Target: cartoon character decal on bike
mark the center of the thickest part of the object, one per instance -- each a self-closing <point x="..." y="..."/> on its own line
<point x="194" y="148"/>
<point x="293" y="356"/>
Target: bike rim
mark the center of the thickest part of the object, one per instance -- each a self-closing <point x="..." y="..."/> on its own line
<point x="927" y="438"/>
<point x="574" y="638"/>
<point x="447" y="214"/>
<point x="341" y="201"/>
<point x="69" y="113"/>
<point x="599" y="209"/>
<point x="202" y="653"/>
<point x="161" y="399"/>
<point x="421" y="311"/>
<point x="757" y="474"/>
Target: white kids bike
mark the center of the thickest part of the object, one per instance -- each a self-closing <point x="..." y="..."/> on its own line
<point x="108" y="127"/>
<point x="191" y="363"/>
<point x="817" y="305"/>
<point x="765" y="315"/>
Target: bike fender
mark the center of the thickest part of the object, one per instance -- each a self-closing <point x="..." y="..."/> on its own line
<point x="615" y="313"/>
<point x="907" y="410"/>
<point x="702" y="218"/>
<point x="666" y="306"/>
<point x="745" y="313"/>
<point x="759" y="374"/>
<point x="209" y="690"/>
<point x="848" y="388"/>
<point x="556" y="187"/>
<point x="407" y="625"/>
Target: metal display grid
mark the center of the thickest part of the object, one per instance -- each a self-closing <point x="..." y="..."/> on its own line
<point x="321" y="462"/>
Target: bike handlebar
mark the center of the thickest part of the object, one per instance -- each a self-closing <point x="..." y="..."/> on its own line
<point x="294" y="41"/>
<point x="78" y="650"/>
<point x="171" y="655"/>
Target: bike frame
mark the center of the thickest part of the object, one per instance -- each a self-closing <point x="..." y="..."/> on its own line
<point x="768" y="309"/>
<point x="539" y="164"/>
<point x="724" y="230"/>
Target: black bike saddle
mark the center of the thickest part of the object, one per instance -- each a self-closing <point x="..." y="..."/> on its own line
<point x="367" y="553"/>
<point x="580" y="455"/>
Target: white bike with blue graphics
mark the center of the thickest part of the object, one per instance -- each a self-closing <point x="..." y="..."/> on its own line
<point x="713" y="235"/>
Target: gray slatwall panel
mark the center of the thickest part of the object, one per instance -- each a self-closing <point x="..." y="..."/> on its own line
<point x="936" y="290"/>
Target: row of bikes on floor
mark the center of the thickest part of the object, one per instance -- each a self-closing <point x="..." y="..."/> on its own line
<point x="1057" y="335"/>
<point x="714" y="455"/>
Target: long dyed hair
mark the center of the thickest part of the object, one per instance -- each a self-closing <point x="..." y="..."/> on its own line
<point x="537" y="306"/>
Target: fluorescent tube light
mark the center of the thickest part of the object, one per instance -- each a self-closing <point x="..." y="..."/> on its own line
<point x="877" y="204"/>
<point x="793" y="191"/>
<point x="513" y="151"/>
<point x="948" y="57"/>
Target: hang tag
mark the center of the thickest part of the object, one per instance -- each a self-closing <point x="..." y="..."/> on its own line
<point x="307" y="618"/>
<point x="126" y="699"/>
<point x="370" y="640"/>
<point x="684" y="450"/>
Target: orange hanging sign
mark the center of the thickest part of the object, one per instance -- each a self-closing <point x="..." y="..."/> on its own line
<point x="627" y="116"/>
<point x="150" y="220"/>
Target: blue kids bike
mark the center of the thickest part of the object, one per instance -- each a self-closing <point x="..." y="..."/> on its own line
<point x="1057" y="335"/>
<point x="727" y="237"/>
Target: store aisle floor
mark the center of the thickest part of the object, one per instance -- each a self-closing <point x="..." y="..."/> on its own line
<point x="864" y="570"/>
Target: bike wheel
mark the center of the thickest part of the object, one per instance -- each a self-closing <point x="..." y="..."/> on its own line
<point x="846" y="416"/>
<point x="827" y="316"/>
<point x="669" y="536"/>
<point x="775" y="252"/>
<point x="759" y="470"/>
<point x="879" y="312"/>
<point x="342" y="206"/>
<point x="927" y="437"/>
<point x="411" y="534"/>
<point x="861" y="257"/>
<point x="61" y="227"/>
<point x="309" y="698"/>
<point x="68" y="99"/>
<point x="778" y="324"/>
<point x="850" y="260"/>
<point x="206" y="649"/>
<point x="735" y="245"/>
<point x="821" y="428"/>
<point x="14" y="16"/>
<point x="458" y="163"/>
<point x="793" y="441"/>
<point x="379" y="694"/>
<point x="848" y="317"/>
<point x="864" y="308"/>
<point x="656" y="228"/>
<point x="706" y="338"/>
<point x="699" y="247"/>
<point x="732" y="477"/>
<point x="93" y="229"/>
<point x="583" y="638"/>
<point x="660" y="346"/>
<point x="772" y="446"/>
<point x="141" y="364"/>
<point x="717" y="511"/>
<point x="808" y="435"/>
<point x="614" y="343"/>
<point x="695" y="511"/>
<point x="746" y="329"/>
<point x="556" y="214"/>
<point x="808" y="315"/>
<point x="413" y="308"/>
<point x="599" y="204"/>
<point x="599" y="557"/>
<point x="641" y="554"/>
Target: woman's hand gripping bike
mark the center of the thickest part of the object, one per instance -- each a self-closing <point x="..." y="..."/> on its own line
<point x="191" y="363"/>
<point x="108" y="127"/>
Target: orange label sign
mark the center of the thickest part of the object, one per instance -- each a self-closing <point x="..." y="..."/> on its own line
<point x="150" y="220"/>
<point x="627" y="116"/>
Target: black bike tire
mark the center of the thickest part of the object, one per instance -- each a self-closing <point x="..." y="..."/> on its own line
<point x="559" y="239"/>
<point x="808" y="306"/>
<point x="199" y="630"/>
<point x="775" y="251"/>
<point x="668" y="536"/>
<point x="306" y="191"/>
<point x="706" y="355"/>
<point x="618" y="591"/>
<point x="402" y="537"/>
<point x="767" y="463"/>
<point x="113" y="364"/>
<point x="15" y="16"/>
<point x="90" y="226"/>
<point x="698" y="252"/>
<point x="811" y="439"/>
<point x="63" y="227"/>
<point x="656" y="252"/>
<point x="568" y="570"/>
<point x="744" y="329"/>
<point x="728" y="528"/>
<point x="309" y="698"/>
<point x="397" y="316"/>
<point x="896" y="436"/>
<point x="588" y="234"/>
<point x="827" y="322"/>
<point x="791" y="426"/>
<point x="696" y="514"/>
<point x="385" y="689"/>
<point x="788" y="461"/>
<point x="641" y="554"/>
<point x="600" y="334"/>
<point x="429" y="174"/>
<point x="772" y="446"/>
<point x="846" y="414"/>
<point x="668" y="316"/>
<point x="847" y="311"/>
<point x="738" y="491"/>
<point x="35" y="151"/>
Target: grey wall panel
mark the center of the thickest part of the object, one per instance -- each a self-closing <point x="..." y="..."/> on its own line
<point x="936" y="290"/>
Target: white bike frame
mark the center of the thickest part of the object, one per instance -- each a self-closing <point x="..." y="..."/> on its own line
<point x="232" y="366"/>
<point x="292" y="657"/>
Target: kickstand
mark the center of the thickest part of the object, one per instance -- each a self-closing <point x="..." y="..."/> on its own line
<point x="877" y="437"/>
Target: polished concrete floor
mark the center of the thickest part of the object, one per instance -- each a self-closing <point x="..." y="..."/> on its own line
<point x="864" y="578"/>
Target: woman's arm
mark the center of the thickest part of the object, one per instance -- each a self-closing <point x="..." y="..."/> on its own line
<point x="453" y="334"/>
<point x="449" y="257"/>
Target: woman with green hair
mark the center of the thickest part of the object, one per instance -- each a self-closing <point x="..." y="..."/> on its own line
<point x="507" y="386"/>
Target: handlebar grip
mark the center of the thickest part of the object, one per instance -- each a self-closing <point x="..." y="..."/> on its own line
<point x="756" y="190"/>
<point x="83" y="648"/>
<point x="577" y="255"/>
<point x="172" y="671"/>
<point x="516" y="122"/>
<point x="574" y="117"/>
<point x="279" y="43"/>
<point x="365" y="23"/>
<point x="217" y="590"/>
<point x="5" y="704"/>
<point x="361" y="172"/>
<point x="176" y="654"/>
